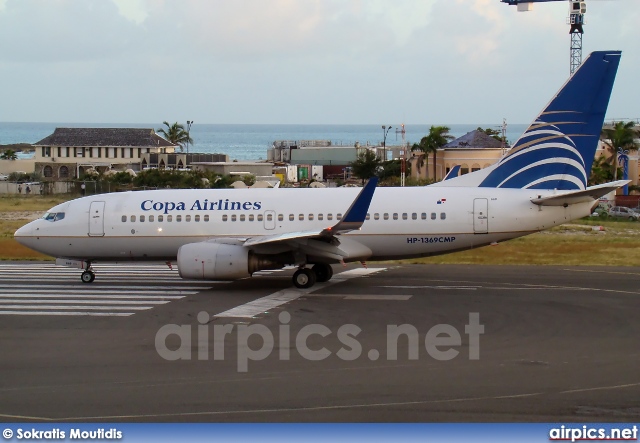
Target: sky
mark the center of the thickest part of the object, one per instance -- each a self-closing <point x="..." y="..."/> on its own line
<point x="300" y="61"/>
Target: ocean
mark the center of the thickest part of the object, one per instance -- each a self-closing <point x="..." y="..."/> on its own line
<point x="250" y="142"/>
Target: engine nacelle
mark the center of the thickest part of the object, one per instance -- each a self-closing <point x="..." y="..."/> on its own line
<point x="217" y="261"/>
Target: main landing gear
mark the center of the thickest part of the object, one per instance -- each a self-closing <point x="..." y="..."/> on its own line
<point x="305" y="278"/>
<point x="88" y="276"/>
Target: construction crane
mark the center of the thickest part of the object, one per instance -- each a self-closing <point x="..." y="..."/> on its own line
<point x="577" y="10"/>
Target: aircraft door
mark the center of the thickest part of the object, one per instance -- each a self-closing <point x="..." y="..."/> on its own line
<point x="96" y="219"/>
<point x="480" y="216"/>
<point x="269" y="220"/>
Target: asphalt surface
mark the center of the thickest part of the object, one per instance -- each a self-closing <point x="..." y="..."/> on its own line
<point x="559" y="344"/>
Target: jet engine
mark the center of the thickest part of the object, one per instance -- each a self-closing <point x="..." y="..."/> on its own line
<point x="218" y="261"/>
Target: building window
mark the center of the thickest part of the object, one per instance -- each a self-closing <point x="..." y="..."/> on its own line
<point x="47" y="171"/>
<point x="63" y="172"/>
<point x="46" y="151"/>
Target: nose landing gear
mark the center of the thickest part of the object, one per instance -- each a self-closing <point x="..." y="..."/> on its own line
<point x="88" y="276"/>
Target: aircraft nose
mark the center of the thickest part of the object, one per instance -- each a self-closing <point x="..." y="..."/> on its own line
<point x="21" y="234"/>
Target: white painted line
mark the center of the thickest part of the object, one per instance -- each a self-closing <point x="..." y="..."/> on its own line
<point x="89" y="292"/>
<point x="47" y="313"/>
<point x="85" y="287"/>
<point x="98" y="308"/>
<point x="465" y="288"/>
<point x="256" y="307"/>
<point x="85" y="302"/>
<point x="100" y="296"/>
<point x="364" y="296"/>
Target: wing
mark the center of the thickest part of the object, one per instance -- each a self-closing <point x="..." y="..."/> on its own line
<point x="352" y="220"/>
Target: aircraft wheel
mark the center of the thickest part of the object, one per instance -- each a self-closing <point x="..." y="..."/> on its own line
<point x="323" y="272"/>
<point x="88" y="277"/>
<point x="304" y="278"/>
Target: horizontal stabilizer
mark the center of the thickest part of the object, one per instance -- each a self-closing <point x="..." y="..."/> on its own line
<point x="588" y="195"/>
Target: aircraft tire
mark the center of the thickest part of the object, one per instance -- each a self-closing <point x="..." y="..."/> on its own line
<point x="323" y="272"/>
<point x="304" y="278"/>
<point x="88" y="277"/>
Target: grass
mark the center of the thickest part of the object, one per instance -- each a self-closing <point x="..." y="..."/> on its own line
<point x="9" y="203"/>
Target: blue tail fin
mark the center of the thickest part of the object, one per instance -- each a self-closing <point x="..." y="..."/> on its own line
<point x="558" y="149"/>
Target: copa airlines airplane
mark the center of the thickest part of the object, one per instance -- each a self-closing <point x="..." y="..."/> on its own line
<point x="230" y="234"/>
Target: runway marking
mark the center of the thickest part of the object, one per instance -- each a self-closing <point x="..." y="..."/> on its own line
<point x="602" y="388"/>
<point x="466" y="288"/>
<point x="139" y="289"/>
<point x="603" y="272"/>
<point x="261" y="305"/>
<point x="302" y="409"/>
<point x="364" y="296"/>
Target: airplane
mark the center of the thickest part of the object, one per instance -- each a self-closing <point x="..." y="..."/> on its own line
<point x="225" y="234"/>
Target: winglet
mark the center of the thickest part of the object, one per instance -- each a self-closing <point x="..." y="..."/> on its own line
<point x="357" y="212"/>
<point x="453" y="173"/>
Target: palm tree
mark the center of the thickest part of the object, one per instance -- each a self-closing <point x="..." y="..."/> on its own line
<point x="175" y="133"/>
<point x="621" y="136"/>
<point x="423" y="146"/>
<point x="9" y="154"/>
<point x="438" y="137"/>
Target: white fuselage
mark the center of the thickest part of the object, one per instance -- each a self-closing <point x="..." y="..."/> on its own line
<point x="402" y="222"/>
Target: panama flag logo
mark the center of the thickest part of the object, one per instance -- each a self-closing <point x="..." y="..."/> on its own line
<point x="442" y="201"/>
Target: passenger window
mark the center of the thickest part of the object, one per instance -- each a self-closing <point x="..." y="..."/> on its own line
<point x="124" y="218"/>
<point x="405" y="216"/>
<point x="225" y="218"/>
<point x="395" y="216"/>
<point x="196" y="217"/>
<point x="280" y="217"/>
<point x="292" y="217"/>
<point x="376" y="216"/>
<point x="160" y="218"/>
<point x="368" y="217"/>
<point x="251" y="217"/>
<point x="206" y="218"/>
<point x="187" y="218"/>
<point x="310" y="216"/>
<point x="424" y="216"/>
<point x="234" y="218"/>
<point x="339" y="216"/>
<point x="169" y="218"/>
<point x="329" y="216"/>
<point x="242" y="217"/>
<point x="178" y="218"/>
<point x="269" y="217"/>
<point x="320" y="217"/>
<point x="386" y="216"/>
<point x="301" y="217"/>
<point x="260" y="217"/>
<point x="433" y="216"/>
<point x="133" y="218"/>
<point x="443" y="216"/>
<point x="414" y="216"/>
<point x="151" y="218"/>
<point x="141" y="218"/>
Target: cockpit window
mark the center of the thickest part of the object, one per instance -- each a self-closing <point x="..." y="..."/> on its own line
<point x="53" y="216"/>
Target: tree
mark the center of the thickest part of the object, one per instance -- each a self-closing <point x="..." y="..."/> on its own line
<point x="621" y="135"/>
<point x="175" y="133"/>
<point x="437" y="137"/>
<point x="423" y="146"/>
<point x="9" y="154"/>
<point x="366" y="165"/>
<point x="494" y="133"/>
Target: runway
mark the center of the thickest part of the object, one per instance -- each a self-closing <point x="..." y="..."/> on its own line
<point x="385" y="343"/>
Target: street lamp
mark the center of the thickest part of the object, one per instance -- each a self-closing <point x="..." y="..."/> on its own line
<point x="189" y="123"/>
<point x="385" y="131"/>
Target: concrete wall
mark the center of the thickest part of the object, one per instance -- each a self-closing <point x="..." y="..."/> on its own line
<point x="9" y="166"/>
